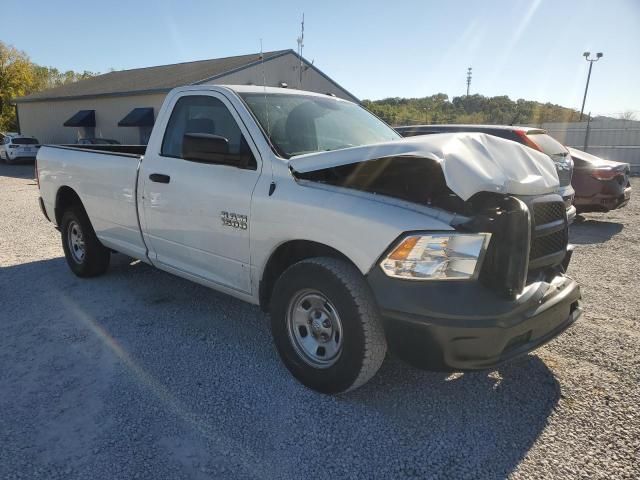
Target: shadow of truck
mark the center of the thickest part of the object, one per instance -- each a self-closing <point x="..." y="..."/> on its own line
<point x="185" y="353"/>
<point x="593" y="231"/>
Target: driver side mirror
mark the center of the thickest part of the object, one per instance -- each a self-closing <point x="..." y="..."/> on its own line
<point x="208" y="148"/>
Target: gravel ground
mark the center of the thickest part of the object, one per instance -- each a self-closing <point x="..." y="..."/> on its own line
<point x="139" y="374"/>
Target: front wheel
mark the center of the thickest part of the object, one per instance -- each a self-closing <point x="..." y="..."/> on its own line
<point x="85" y="255"/>
<point x="326" y="325"/>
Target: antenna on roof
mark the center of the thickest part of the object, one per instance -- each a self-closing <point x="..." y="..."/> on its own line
<point x="300" y="47"/>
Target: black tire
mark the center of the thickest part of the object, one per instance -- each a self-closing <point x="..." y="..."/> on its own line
<point x="95" y="258"/>
<point x="363" y="346"/>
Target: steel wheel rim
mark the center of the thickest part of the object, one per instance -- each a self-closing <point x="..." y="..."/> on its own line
<point x="75" y="242"/>
<point x="314" y="328"/>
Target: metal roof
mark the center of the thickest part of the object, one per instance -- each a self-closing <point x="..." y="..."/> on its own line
<point x="151" y="79"/>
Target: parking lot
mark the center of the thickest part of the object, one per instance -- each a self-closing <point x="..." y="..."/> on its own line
<point x="140" y="374"/>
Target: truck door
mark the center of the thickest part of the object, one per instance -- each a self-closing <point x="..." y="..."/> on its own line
<point x="196" y="215"/>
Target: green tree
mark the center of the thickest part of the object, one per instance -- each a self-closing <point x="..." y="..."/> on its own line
<point x="19" y="76"/>
<point x="16" y="79"/>
<point x="476" y="108"/>
<point x="49" y="77"/>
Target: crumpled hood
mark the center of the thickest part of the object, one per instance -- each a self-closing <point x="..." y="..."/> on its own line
<point x="471" y="162"/>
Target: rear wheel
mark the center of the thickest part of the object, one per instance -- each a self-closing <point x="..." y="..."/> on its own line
<point x="326" y="325"/>
<point x="85" y="255"/>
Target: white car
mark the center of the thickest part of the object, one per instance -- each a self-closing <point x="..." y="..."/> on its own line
<point x="449" y="249"/>
<point x="15" y="148"/>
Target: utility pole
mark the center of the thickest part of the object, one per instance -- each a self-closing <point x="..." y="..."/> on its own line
<point x="468" y="80"/>
<point x="300" y="47"/>
<point x="586" y="133"/>
<point x="586" y="56"/>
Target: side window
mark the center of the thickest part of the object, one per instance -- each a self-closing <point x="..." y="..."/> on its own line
<point x="203" y="114"/>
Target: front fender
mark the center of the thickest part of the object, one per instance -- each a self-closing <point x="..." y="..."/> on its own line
<point x="359" y="225"/>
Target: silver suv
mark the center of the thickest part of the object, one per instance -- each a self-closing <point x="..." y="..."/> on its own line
<point x="15" y="147"/>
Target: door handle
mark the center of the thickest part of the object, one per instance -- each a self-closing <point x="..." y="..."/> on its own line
<point x="159" y="178"/>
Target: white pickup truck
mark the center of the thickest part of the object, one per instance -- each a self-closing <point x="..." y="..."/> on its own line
<point x="449" y="249"/>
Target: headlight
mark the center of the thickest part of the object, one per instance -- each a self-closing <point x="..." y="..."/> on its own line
<point x="446" y="256"/>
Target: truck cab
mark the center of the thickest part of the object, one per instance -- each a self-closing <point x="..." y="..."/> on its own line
<point x="451" y="250"/>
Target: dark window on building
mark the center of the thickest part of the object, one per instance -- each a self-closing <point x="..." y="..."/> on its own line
<point x="141" y="118"/>
<point x="83" y="118"/>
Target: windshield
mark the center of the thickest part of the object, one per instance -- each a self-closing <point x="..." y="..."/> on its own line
<point x="298" y="124"/>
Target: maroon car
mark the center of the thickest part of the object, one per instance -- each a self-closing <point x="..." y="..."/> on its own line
<point x="601" y="185"/>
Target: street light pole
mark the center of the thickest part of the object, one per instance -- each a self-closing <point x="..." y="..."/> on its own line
<point x="586" y="56"/>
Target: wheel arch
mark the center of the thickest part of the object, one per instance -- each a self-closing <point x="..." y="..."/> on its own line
<point x="285" y="255"/>
<point x="65" y="198"/>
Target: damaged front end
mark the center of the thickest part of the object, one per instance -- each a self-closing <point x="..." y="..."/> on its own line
<point x="529" y="233"/>
<point x="520" y="298"/>
<point x="529" y="240"/>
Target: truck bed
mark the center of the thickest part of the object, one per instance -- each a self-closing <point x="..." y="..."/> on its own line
<point x="105" y="177"/>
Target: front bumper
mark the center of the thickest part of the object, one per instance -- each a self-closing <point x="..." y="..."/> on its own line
<point x="462" y="325"/>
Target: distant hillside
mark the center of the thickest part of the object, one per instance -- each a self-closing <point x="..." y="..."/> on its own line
<point x="468" y="109"/>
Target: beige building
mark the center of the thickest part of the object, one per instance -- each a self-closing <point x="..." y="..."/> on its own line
<point x="122" y="105"/>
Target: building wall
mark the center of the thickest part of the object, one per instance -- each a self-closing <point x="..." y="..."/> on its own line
<point x="44" y="120"/>
<point x="284" y="69"/>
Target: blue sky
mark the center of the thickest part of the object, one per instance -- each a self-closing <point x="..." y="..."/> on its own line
<point x="521" y="48"/>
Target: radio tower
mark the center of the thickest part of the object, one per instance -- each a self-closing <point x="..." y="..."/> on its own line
<point x="468" y="80"/>
<point x="300" y="47"/>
